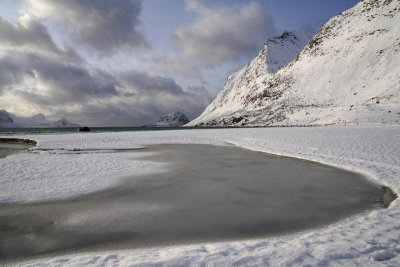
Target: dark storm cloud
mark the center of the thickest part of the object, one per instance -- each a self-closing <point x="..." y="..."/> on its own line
<point x="29" y="51"/>
<point x="105" y="25"/>
<point x="31" y="35"/>
<point x="156" y="96"/>
<point x="10" y="73"/>
<point x="223" y="33"/>
<point x="66" y="82"/>
<point x="27" y="32"/>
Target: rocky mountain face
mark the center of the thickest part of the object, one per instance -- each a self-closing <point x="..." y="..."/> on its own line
<point x="172" y="119"/>
<point x="348" y="73"/>
<point x="8" y="120"/>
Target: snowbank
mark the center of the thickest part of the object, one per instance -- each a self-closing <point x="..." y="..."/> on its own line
<point x="70" y="164"/>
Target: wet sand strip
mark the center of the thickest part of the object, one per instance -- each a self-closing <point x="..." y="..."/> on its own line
<point x="209" y="193"/>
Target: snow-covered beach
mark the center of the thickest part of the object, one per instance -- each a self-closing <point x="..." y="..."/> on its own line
<point x="71" y="164"/>
<point x="330" y="96"/>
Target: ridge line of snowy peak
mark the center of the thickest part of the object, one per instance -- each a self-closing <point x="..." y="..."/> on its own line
<point x="348" y="73"/>
<point x="277" y="52"/>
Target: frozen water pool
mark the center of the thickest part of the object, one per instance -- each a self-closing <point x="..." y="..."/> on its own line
<point x="207" y="193"/>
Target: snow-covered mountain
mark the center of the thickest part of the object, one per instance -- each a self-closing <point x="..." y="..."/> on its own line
<point x="348" y="73"/>
<point x="5" y="117"/>
<point x="172" y="119"/>
<point x="277" y="52"/>
<point x="63" y="122"/>
<point x="35" y="121"/>
<point x="8" y="120"/>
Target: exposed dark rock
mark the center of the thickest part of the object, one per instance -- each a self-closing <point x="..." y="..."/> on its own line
<point x="84" y="129"/>
<point x="236" y="120"/>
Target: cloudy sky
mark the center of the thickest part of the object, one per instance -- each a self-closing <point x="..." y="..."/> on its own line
<point x="128" y="62"/>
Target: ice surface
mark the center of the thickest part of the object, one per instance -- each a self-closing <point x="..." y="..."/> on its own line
<point x="205" y="196"/>
<point x="368" y="239"/>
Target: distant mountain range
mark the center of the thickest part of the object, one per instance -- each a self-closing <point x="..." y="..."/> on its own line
<point x="8" y="120"/>
<point x="349" y="72"/>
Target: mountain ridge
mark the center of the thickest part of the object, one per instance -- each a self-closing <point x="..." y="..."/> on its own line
<point x="8" y="120"/>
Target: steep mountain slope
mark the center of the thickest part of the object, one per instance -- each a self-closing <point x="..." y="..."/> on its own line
<point x="8" y="120"/>
<point x="348" y="73"/>
<point x="277" y="52"/>
<point x="172" y="119"/>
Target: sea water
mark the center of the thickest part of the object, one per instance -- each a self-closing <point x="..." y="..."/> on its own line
<point x="60" y="130"/>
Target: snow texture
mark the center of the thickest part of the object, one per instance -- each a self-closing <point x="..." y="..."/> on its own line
<point x="348" y="73"/>
<point x="8" y="120"/>
<point x="71" y="164"/>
